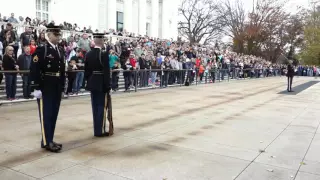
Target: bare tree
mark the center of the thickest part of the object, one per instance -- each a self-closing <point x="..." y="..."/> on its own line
<point x="269" y="21"/>
<point x="262" y="32"/>
<point x="200" y="21"/>
<point x="232" y="16"/>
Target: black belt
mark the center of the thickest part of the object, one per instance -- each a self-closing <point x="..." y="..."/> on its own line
<point x="97" y="72"/>
<point x="54" y="74"/>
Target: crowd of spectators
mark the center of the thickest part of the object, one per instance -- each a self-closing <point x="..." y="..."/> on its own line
<point x="160" y="62"/>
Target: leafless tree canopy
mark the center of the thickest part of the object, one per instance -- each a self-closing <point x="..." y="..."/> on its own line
<point x="265" y="31"/>
<point x="200" y="21"/>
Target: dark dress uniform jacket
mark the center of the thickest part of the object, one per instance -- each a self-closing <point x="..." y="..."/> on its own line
<point x="97" y="71"/>
<point x="44" y="65"/>
<point x="290" y="72"/>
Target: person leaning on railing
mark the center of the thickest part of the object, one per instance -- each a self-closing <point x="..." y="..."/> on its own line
<point x="71" y="75"/>
<point x="154" y="66"/>
<point x="10" y="64"/>
<point x="127" y="74"/>
<point x="115" y="76"/>
<point x="24" y="61"/>
<point x="165" y="67"/>
<point x="213" y="70"/>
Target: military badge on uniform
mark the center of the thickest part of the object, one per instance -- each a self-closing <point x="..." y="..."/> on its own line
<point x="50" y="56"/>
<point x="35" y="59"/>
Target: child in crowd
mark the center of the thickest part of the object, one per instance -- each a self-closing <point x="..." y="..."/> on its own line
<point x="71" y="75"/>
<point x="32" y="46"/>
<point x="201" y="71"/>
<point x="115" y="76"/>
<point x="127" y="74"/>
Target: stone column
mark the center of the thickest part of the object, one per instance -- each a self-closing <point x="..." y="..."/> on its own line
<point x="164" y="19"/>
<point x="142" y="17"/>
<point x="127" y="13"/>
<point x="112" y="14"/>
<point x="174" y="20"/>
<point x="102" y="15"/>
<point x="154" y="18"/>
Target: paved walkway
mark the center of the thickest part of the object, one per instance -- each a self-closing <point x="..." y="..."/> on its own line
<point x="244" y="130"/>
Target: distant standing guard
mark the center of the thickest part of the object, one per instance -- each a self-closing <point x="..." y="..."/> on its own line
<point x="290" y="74"/>
<point x="97" y="74"/>
<point x="47" y="79"/>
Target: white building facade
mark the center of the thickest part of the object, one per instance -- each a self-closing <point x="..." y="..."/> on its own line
<point x="154" y="18"/>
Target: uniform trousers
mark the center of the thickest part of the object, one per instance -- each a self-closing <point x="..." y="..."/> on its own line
<point x="99" y="111"/>
<point x="289" y="86"/>
<point x="49" y="106"/>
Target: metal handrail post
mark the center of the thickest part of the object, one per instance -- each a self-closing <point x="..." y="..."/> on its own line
<point x="136" y="80"/>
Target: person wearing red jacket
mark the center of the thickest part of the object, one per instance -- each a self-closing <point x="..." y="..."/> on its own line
<point x="198" y="62"/>
<point x="32" y="46"/>
<point x="201" y="72"/>
<point x="133" y="63"/>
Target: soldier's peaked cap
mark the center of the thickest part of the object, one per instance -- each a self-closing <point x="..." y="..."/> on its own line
<point x="98" y="35"/>
<point x="53" y="28"/>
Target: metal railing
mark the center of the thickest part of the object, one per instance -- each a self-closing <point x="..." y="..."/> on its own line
<point x="162" y="78"/>
<point x="136" y="80"/>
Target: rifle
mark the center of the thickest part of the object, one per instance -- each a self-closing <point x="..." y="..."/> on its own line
<point x="109" y="111"/>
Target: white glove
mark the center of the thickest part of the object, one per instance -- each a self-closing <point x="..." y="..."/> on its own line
<point x="37" y="94"/>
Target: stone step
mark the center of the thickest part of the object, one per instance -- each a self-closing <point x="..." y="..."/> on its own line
<point x="84" y="93"/>
<point x="19" y="86"/>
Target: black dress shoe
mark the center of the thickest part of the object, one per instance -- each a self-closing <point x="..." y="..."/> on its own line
<point x="102" y="135"/>
<point x="57" y="144"/>
<point x="52" y="148"/>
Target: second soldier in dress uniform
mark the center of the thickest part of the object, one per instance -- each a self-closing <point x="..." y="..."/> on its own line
<point x="97" y="74"/>
<point x="47" y="79"/>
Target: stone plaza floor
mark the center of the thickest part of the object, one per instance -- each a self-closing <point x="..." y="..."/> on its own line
<point x="244" y="130"/>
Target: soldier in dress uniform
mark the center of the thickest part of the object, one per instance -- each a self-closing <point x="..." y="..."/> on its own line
<point x="290" y="74"/>
<point x="47" y="79"/>
<point x="97" y="74"/>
